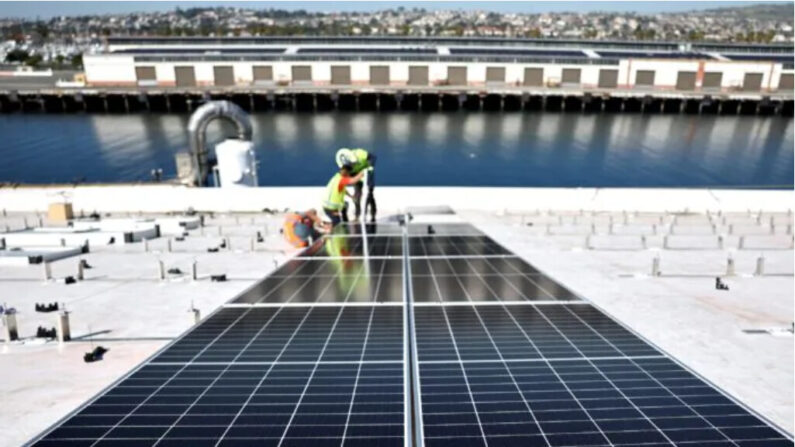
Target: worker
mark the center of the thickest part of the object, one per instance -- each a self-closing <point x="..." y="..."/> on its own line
<point x="334" y="206"/>
<point x="360" y="160"/>
<point x="302" y="228"/>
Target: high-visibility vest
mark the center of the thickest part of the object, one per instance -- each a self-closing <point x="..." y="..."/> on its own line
<point x="335" y="198"/>
<point x="290" y="221"/>
<point x="361" y="160"/>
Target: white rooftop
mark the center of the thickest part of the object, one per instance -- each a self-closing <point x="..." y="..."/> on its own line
<point x="124" y="306"/>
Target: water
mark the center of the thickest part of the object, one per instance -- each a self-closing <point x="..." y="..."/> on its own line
<point x="456" y="149"/>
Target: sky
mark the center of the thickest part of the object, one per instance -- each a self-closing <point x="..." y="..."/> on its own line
<point x="47" y="9"/>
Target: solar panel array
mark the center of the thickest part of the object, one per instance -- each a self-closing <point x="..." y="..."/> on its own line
<point x="653" y="55"/>
<point x="779" y="58"/>
<point x="517" y="52"/>
<point x="388" y="335"/>
<point x="367" y="50"/>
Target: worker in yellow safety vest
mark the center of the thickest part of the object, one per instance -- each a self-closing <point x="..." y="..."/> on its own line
<point x="360" y="160"/>
<point x="334" y="204"/>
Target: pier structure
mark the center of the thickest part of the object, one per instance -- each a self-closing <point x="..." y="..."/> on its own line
<point x="159" y="74"/>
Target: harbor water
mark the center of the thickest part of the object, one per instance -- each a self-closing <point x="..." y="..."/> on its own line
<point x="436" y="149"/>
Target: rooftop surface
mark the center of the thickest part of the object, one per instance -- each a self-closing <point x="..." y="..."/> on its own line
<point x="123" y="305"/>
<point x="739" y="339"/>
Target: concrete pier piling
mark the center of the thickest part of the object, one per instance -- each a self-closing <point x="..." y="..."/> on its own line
<point x="107" y="99"/>
<point x="80" y="268"/>
<point x="194" y="271"/>
<point x="161" y="270"/>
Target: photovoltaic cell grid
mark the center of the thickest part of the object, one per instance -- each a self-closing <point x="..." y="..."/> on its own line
<point x="347" y="245"/>
<point x="260" y="376"/>
<point x="506" y="357"/>
<point x="482" y="279"/>
<point x="332" y="280"/>
<point x="493" y="373"/>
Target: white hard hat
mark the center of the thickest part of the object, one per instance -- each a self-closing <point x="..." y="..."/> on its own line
<point x="345" y="157"/>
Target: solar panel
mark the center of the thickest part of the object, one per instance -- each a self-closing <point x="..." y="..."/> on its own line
<point x="652" y="55"/>
<point x="497" y="367"/>
<point x="517" y="52"/>
<point x="443" y="338"/>
<point x="335" y="280"/>
<point x="446" y="246"/>
<point x="443" y="229"/>
<point x="347" y="245"/>
<point x="264" y="376"/>
<point x="780" y="58"/>
<point x="207" y="50"/>
<point x="366" y="50"/>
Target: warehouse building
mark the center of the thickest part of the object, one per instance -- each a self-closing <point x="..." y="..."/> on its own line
<point x="373" y="63"/>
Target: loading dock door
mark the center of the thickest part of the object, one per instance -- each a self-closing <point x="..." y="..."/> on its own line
<point x="533" y="77"/>
<point x="185" y="76"/>
<point x="224" y="75"/>
<point x="301" y="73"/>
<point x="495" y="75"/>
<point x="457" y="75"/>
<point x="145" y="74"/>
<point x="712" y="80"/>
<point x="262" y="73"/>
<point x="644" y="78"/>
<point x="379" y="75"/>
<point x="418" y="75"/>
<point x="752" y="82"/>
<point x="785" y="82"/>
<point x="608" y="78"/>
<point x="340" y="75"/>
<point x="570" y="76"/>
<point x="686" y="80"/>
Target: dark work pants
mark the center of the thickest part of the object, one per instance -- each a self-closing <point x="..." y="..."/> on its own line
<point x="358" y="189"/>
<point x="337" y="216"/>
